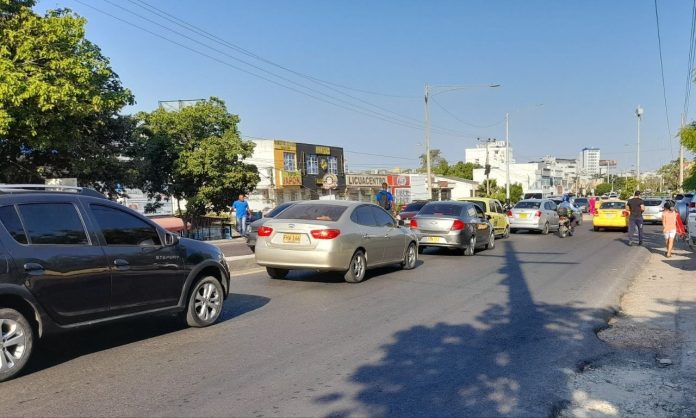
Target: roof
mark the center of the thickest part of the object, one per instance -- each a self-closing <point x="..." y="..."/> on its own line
<point x="463" y="180"/>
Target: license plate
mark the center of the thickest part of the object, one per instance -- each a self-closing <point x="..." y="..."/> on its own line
<point x="433" y="240"/>
<point x="291" y="238"/>
<point x="648" y="217"/>
<point x="609" y="215"/>
<point x="523" y="215"/>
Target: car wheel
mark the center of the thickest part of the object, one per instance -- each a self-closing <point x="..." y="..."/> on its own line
<point x="252" y="248"/>
<point x="545" y="231"/>
<point x="506" y="234"/>
<point x="595" y="228"/>
<point x="16" y="343"/>
<point x="410" y="258"/>
<point x="491" y="241"/>
<point x="471" y="249"/>
<point x="278" y="274"/>
<point x="205" y="303"/>
<point x="356" y="268"/>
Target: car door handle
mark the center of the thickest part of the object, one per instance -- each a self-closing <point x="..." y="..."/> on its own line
<point x="121" y="264"/>
<point x="34" y="268"/>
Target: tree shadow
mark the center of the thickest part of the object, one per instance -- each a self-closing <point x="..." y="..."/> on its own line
<point x="514" y="362"/>
<point x="56" y="349"/>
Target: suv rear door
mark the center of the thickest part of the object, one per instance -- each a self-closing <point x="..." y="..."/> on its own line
<point x="145" y="274"/>
<point x="58" y="260"/>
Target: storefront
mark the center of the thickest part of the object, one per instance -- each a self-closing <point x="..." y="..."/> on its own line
<point x="322" y="171"/>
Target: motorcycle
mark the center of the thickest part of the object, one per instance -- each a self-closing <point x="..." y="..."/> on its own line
<point x="565" y="228"/>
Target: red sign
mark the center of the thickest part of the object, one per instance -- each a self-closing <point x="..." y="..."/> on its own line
<point x="399" y="181"/>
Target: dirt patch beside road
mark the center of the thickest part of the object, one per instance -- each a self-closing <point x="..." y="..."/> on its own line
<point x="651" y="370"/>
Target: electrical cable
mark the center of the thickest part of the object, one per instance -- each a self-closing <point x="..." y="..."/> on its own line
<point x="690" y="62"/>
<point x="662" y="73"/>
<point x="461" y="121"/>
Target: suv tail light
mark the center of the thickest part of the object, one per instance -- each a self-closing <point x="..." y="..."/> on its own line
<point x="325" y="233"/>
<point x="509" y="214"/>
<point x="538" y="214"/>
<point x="457" y="225"/>
<point x="414" y="224"/>
<point x="265" y="231"/>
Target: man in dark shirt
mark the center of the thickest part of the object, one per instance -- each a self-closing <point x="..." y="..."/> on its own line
<point x="635" y="207"/>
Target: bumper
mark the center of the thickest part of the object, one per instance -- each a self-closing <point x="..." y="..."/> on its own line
<point x="441" y="239"/>
<point x="251" y="239"/>
<point x="652" y="217"/>
<point x="619" y="222"/>
<point x="316" y="259"/>
<point x="534" y="224"/>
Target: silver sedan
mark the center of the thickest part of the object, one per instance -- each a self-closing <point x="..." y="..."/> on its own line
<point x="344" y="236"/>
<point x="534" y="215"/>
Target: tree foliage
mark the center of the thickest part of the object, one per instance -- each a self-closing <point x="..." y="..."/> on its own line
<point x="59" y="101"/>
<point x="688" y="139"/>
<point x="498" y="192"/>
<point x="195" y="154"/>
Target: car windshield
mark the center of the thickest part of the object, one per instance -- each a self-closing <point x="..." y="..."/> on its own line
<point x="532" y="196"/>
<point x="414" y="207"/>
<point x="528" y="205"/>
<point x="653" y="202"/>
<point x="312" y="212"/>
<point x="478" y="203"/>
<point x="276" y="210"/>
<point x="441" y="209"/>
<point x="613" y="205"/>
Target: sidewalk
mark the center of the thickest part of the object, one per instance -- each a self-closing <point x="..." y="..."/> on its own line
<point x="651" y="369"/>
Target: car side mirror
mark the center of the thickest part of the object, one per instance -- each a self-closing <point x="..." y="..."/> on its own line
<point x="171" y="239"/>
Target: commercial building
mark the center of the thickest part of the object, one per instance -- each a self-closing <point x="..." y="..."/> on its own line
<point x="588" y="161"/>
<point x="497" y="154"/>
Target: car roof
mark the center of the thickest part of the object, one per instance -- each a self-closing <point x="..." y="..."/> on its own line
<point x="346" y="203"/>
<point x="476" y="199"/>
<point x="451" y="202"/>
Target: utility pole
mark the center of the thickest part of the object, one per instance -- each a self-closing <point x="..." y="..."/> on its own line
<point x="681" y="158"/>
<point x="507" y="158"/>
<point x="639" y="114"/>
<point x="427" y="143"/>
<point x="488" y="166"/>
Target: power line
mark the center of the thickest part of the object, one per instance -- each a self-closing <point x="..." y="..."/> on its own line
<point x="662" y="73"/>
<point x="461" y="121"/>
<point x="690" y="62"/>
<point x="344" y="150"/>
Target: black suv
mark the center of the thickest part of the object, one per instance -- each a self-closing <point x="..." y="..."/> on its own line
<point x="70" y="258"/>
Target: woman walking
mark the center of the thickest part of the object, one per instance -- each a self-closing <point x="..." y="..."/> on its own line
<point x="593" y="204"/>
<point x="669" y="226"/>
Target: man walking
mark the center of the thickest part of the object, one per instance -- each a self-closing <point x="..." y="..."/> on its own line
<point x="384" y="198"/>
<point x="635" y="207"/>
<point x="241" y="210"/>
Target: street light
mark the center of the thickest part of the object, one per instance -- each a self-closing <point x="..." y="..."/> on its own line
<point x="639" y="115"/>
<point x="434" y="90"/>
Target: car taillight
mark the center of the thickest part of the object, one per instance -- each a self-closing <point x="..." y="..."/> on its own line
<point x="414" y="224"/>
<point x="457" y="225"/>
<point x="509" y="214"/>
<point x="624" y="213"/>
<point x="325" y="233"/>
<point x="538" y="214"/>
<point x="265" y="231"/>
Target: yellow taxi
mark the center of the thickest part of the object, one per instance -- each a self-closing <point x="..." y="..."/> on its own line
<point x="611" y="214"/>
<point x="494" y="209"/>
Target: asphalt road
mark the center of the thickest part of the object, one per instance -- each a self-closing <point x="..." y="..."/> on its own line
<point x="234" y="247"/>
<point x="493" y="334"/>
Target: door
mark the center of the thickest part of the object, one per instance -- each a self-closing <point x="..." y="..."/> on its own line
<point x="145" y="274"/>
<point x="372" y="236"/>
<point x="61" y="265"/>
<point x="483" y="228"/>
<point x="394" y="238"/>
<point x="498" y="217"/>
<point x="552" y="214"/>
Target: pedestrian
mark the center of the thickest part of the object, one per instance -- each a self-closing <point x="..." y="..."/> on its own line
<point x="241" y="210"/>
<point x="592" y="204"/>
<point x="384" y="198"/>
<point x="669" y="226"/>
<point x="635" y="207"/>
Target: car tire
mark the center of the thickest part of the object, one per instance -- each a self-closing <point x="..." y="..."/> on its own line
<point x="506" y="234"/>
<point x="205" y="303"/>
<point x="491" y="241"/>
<point x="410" y="258"/>
<point x="252" y="248"/>
<point x="421" y="249"/>
<point x="15" y="329"/>
<point x="356" y="268"/>
<point x="277" y="274"/>
<point x="471" y="248"/>
<point x="545" y="231"/>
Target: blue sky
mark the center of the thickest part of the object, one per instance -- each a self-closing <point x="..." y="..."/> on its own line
<point x="589" y="63"/>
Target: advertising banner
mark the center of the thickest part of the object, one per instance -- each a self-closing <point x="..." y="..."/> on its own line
<point x="365" y="180"/>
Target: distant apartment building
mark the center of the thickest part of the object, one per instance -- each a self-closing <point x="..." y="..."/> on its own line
<point x="588" y="162"/>
<point x="497" y="154"/>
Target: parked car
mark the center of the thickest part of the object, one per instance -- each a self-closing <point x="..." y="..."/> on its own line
<point x="611" y="214"/>
<point x="576" y="210"/>
<point x="654" y="206"/>
<point x="344" y="236"/>
<point x="583" y="204"/>
<point x="686" y="205"/>
<point x="494" y="209"/>
<point x="68" y="260"/>
<point x="252" y="229"/>
<point x="410" y="210"/>
<point x="534" y="215"/>
<point x="461" y="226"/>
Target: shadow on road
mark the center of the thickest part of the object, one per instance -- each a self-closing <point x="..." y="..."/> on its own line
<point x="502" y="367"/>
<point x="337" y="277"/>
<point x="61" y="348"/>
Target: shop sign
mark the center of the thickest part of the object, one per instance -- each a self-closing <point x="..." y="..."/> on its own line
<point x="358" y="180"/>
<point x="322" y="150"/>
<point x="291" y="178"/>
<point x="330" y="181"/>
<point x="285" y="145"/>
<point x="399" y="181"/>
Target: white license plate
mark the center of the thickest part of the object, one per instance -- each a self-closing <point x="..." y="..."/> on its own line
<point x="648" y="217"/>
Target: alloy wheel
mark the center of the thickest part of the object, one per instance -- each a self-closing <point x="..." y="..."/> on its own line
<point x="358" y="267"/>
<point x="208" y="302"/>
<point x="12" y="343"/>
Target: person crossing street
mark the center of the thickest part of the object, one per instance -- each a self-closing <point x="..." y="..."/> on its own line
<point x="241" y="210"/>
<point x="635" y="207"/>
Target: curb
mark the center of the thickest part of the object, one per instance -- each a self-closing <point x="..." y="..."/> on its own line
<point x="242" y="264"/>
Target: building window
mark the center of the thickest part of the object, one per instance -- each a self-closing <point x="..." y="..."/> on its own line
<point x="333" y="165"/>
<point x="312" y="164"/>
<point x="289" y="161"/>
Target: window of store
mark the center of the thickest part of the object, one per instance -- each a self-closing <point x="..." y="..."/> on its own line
<point x="333" y="165"/>
<point x="312" y="164"/>
<point x="289" y="161"/>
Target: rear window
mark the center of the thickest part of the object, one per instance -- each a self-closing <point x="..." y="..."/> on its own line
<point x="533" y="196"/>
<point x="652" y="202"/>
<point x="276" y="210"/>
<point x="580" y="201"/>
<point x="441" y="209"/>
<point x="528" y="205"/>
<point x="313" y="212"/>
<point x="414" y="207"/>
<point x="613" y="205"/>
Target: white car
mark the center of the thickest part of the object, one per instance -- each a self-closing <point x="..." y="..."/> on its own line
<point x="534" y="215"/>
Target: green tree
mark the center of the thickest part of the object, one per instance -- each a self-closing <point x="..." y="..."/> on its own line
<point x="688" y="139"/>
<point x="442" y="168"/>
<point x="59" y="101"/>
<point x="195" y="154"/>
<point x="483" y="189"/>
<point x="602" y="188"/>
<point x="435" y="158"/>
<point x="670" y="175"/>
<point x="463" y="170"/>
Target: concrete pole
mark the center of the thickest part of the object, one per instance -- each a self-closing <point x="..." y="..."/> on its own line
<point x="488" y="182"/>
<point x="507" y="158"/>
<point x="427" y="143"/>
<point x="681" y="159"/>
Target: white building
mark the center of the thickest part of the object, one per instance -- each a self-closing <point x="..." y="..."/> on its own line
<point x="497" y="154"/>
<point x="588" y="161"/>
<point x="262" y="198"/>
